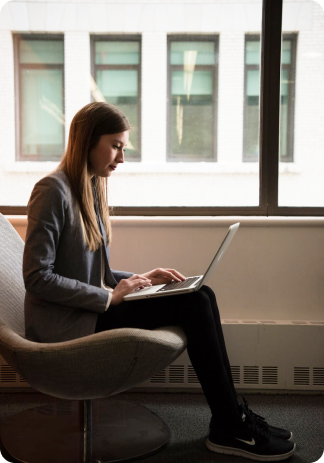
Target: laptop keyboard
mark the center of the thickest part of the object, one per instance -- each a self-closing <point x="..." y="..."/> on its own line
<point x="179" y="284"/>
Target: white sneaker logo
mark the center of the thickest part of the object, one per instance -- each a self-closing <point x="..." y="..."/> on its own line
<point x="250" y="442"/>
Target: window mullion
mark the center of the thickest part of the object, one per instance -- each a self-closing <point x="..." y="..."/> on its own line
<point x="270" y="103"/>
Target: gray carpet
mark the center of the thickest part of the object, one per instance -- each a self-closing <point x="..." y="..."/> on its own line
<point x="187" y="415"/>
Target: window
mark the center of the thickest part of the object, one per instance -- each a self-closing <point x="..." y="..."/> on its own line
<point x="304" y="118"/>
<point x="225" y="97"/>
<point x="116" y="72"/>
<point x="252" y="97"/>
<point x="192" y="98"/>
<point x="40" y="102"/>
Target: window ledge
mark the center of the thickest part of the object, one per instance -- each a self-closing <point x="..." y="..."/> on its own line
<point x="198" y="221"/>
<point x="162" y="167"/>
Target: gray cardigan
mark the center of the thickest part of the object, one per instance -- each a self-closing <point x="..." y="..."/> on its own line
<point x="62" y="276"/>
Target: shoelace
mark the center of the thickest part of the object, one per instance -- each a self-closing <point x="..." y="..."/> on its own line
<point x="254" y="426"/>
<point x="260" y="420"/>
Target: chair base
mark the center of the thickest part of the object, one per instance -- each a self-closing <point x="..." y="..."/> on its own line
<point x="121" y="431"/>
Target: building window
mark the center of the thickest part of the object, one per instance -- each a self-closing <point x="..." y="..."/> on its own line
<point x="192" y="98"/>
<point x="252" y="95"/>
<point x="39" y="74"/>
<point x="116" y="79"/>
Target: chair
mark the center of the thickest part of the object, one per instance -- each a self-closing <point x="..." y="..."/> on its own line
<point x="87" y="370"/>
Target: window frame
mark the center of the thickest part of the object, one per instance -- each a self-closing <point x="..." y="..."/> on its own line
<point x="178" y="67"/>
<point x="138" y="67"/>
<point x="19" y="156"/>
<point x="269" y="139"/>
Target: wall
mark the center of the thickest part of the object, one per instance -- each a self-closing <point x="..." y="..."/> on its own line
<point x="273" y="269"/>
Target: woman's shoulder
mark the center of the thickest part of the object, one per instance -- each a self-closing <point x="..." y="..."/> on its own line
<point x="53" y="188"/>
<point x="57" y="180"/>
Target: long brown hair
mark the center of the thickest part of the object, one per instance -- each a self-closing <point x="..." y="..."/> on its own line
<point x="87" y="126"/>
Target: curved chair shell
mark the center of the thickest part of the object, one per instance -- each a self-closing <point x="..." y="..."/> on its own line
<point x="90" y="367"/>
<point x="94" y="366"/>
<point x="12" y="288"/>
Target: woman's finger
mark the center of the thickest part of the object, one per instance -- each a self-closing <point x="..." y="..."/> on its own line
<point x="172" y="276"/>
<point x="141" y="282"/>
<point x="175" y="272"/>
<point x="139" y="277"/>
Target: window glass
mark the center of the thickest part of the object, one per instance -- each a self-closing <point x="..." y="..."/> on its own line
<point x="117" y="52"/>
<point x="193" y="113"/>
<point x="252" y="98"/>
<point x="40" y="93"/>
<point x="42" y="112"/>
<point x="302" y="109"/>
<point x="117" y="85"/>
<point x="195" y="52"/>
<point x="117" y="76"/>
<point x="252" y="52"/>
<point x="41" y="52"/>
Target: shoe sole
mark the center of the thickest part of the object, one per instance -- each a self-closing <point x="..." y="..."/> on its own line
<point x="244" y="453"/>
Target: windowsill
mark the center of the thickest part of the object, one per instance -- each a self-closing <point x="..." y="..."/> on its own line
<point x="199" y="221"/>
<point x="161" y="168"/>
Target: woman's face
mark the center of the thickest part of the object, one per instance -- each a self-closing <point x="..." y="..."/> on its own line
<point x="108" y="153"/>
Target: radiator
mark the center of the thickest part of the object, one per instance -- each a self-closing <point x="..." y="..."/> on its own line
<point x="285" y="355"/>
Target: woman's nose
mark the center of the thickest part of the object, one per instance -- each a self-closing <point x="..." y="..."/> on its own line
<point x="120" y="158"/>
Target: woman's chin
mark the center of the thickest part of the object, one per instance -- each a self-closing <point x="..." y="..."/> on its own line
<point x="104" y="174"/>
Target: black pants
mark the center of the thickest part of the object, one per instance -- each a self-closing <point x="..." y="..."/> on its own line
<point x="197" y="313"/>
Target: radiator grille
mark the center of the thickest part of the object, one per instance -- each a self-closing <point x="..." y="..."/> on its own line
<point x="251" y="375"/>
<point x="318" y="377"/>
<point x="236" y="374"/>
<point x="159" y="377"/>
<point x="8" y="374"/>
<point x="301" y="376"/>
<point x="192" y="377"/>
<point x="269" y="375"/>
<point x="176" y="374"/>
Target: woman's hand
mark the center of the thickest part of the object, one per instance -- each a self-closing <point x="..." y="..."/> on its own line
<point x="126" y="286"/>
<point x="161" y="276"/>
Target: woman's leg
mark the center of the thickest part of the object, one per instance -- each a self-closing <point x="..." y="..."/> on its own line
<point x="195" y="313"/>
<point x="220" y="334"/>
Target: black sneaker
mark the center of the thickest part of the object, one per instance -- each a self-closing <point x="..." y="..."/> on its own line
<point x="260" y="420"/>
<point x="252" y="442"/>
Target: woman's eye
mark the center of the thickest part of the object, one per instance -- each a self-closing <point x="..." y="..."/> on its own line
<point x="117" y="147"/>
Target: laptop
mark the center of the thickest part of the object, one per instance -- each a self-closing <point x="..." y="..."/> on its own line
<point x="190" y="284"/>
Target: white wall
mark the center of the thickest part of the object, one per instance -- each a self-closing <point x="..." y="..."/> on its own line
<point x="273" y="269"/>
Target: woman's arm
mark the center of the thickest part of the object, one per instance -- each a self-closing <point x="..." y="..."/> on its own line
<point x="46" y="211"/>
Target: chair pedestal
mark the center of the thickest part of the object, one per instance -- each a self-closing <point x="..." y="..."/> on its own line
<point x="89" y="431"/>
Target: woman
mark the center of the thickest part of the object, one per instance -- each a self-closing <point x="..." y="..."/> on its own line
<point x="71" y="291"/>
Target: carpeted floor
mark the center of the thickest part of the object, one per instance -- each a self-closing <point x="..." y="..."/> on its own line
<point x="187" y="415"/>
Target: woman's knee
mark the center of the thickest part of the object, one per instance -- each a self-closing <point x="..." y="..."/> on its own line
<point x="207" y="290"/>
<point x="200" y="298"/>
